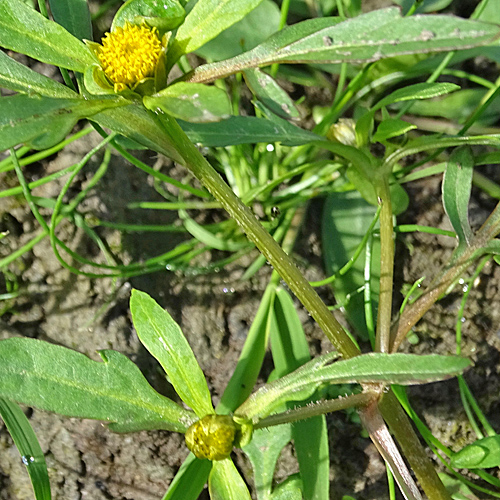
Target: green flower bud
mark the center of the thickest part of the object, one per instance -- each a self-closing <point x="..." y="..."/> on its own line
<point x="211" y="437"/>
<point x="344" y="131"/>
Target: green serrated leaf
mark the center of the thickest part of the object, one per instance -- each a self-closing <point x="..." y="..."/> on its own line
<point x="226" y="483"/>
<point x="74" y="15"/>
<point x="191" y="102"/>
<point x="206" y="20"/>
<point x="15" y="76"/>
<point x="27" y="443"/>
<point x="164" y="339"/>
<point x="165" y="15"/>
<point x="483" y="453"/>
<point x="378" y="34"/>
<point x="247" y="130"/>
<point x="57" y="379"/>
<point x="457" y="184"/>
<point x="24" y="30"/>
<point x="42" y="122"/>
<point x="391" y="128"/>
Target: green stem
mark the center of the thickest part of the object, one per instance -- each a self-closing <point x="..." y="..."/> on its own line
<point x="315" y="409"/>
<point x="438" y="287"/>
<point x="382" y="339"/>
<point x="281" y="262"/>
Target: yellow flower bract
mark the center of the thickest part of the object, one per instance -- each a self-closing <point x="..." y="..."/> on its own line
<point x="129" y="54"/>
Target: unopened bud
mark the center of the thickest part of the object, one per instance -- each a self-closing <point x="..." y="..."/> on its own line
<point x="344" y="131"/>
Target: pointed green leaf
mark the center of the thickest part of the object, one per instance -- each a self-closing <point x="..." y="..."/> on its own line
<point x="24" y="30"/>
<point x="42" y="122"/>
<point x="390" y="128"/>
<point x="457" y="184"/>
<point x="206" y="20"/>
<point x="267" y="91"/>
<point x="290" y="350"/>
<point x="418" y="91"/>
<point x="27" y="443"/>
<point x="164" y="339"/>
<point x="54" y="378"/>
<point x="249" y="364"/>
<point x="247" y="130"/>
<point x="165" y="15"/>
<point x="346" y="219"/>
<point x="192" y="102"/>
<point x="15" y="76"/>
<point x="483" y="453"/>
<point x="402" y="369"/>
<point x="226" y="483"/>
<point x="376" y="35"/>
<point x="74" y="15"/>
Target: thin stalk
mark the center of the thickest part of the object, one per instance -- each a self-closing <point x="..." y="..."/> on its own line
<point x="316" y="409"/>
<point x="282" y="263"/>
<point x="438" y="287"/>
<point x="382" y="338"/>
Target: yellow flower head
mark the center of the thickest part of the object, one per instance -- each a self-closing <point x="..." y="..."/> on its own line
<point x="129" y="54"/>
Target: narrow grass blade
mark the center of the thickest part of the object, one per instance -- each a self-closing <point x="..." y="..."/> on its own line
<point x="27" y="443"/>
<point x="190" y="479"/>
<point x="290" y="350"/>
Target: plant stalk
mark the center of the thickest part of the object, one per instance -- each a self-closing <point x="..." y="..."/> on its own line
<point x="382" y="339"/>
<point x="412" y="449"/>
<point x="282" y="263"/>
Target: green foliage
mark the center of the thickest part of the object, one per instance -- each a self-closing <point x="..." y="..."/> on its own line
<point x="24" y="30"/>
<point x="457" y="183"/>
<point x="164" y="340"/>
<point x="483" y="453"/>
<point x="225" y="482"/>
<point x="74" y="15"/>
<point x="206" y="20"/>
<point x="57" y="379"/>
<point x="165" y="15"/>
<point x="192" y="102"/>
<point x="27" y="443"/>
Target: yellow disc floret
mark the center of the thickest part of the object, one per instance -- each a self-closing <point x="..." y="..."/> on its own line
<point x="212" y="437"/>
<point x="129" y="54"/>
